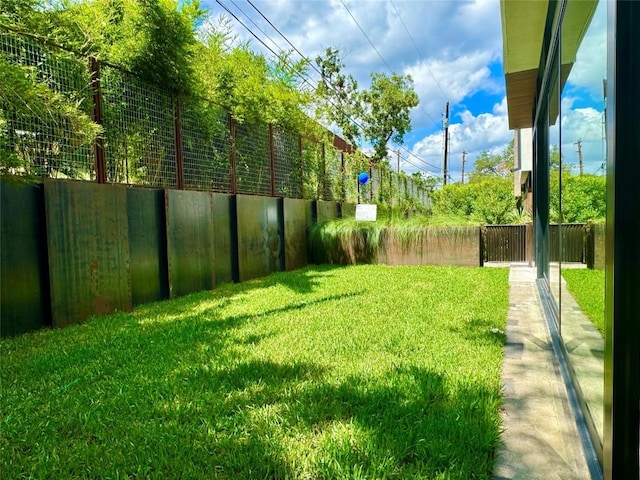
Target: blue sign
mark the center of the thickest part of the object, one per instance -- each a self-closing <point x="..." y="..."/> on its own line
<point x="363" y="178"/>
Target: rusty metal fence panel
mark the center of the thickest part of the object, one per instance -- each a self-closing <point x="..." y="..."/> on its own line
<point x="505" y="243"/>
<point x="88" y="266"/>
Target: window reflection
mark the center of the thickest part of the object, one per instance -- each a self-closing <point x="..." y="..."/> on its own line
<point x="581" y="199"/>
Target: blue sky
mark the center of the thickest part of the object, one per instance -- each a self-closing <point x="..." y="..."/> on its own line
<point x="451" y="48"/>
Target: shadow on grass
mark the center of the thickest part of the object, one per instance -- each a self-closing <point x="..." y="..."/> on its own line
<point x="173" y="391"/>
<point x="305" y="280"/>
<point x="409" y="424"/>
<point x="481" y="331"/>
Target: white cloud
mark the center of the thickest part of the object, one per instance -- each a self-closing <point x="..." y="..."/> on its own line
<point x="473" y="134"/>
<point x="590" y="66"/>
<point x="455" y="42"/>
<point x="584" y="125"/>
<point x="460" y="78"/>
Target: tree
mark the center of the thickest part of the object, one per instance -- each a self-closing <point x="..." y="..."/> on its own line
<point x="252" y="88"/>
<point x="340" y="101"/>
<point x="386" y="105"/>
<point x="378" y="114"/>
<point x="487" y="165"/>
<point x="488" y="197"/>
<point x="153" y="38"/>
<point x="583" y="198"/>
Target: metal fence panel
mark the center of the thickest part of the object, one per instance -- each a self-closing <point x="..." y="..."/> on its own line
<point x="506" y="243"/>
<point x="147" y="245"/>
<point x="42" y="140"/>
<point x="568" y="239"/>
<point x="287" y="164"/>
<point x="205" y="147"/>
<point x="298" y="217"/>
<point x="88" y="244"/>
<point x="312" y="169"/>
<point x="331" y="181"/>
<point x="260" y="240"/>
<point x="225" y="238"/>
<point x="24" y="271"/>
<point x="190" y="245"/>
<point x="253" y="166"/>
<point x="139" y="126"/>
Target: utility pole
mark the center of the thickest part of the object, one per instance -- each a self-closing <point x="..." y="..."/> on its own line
<point x="445" y="123"/>
<point x="579" y="144"/>
<point x="464" y="159"/>
<point x="398" y="153"/>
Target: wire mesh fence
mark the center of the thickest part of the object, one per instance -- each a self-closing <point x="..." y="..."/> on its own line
<point x="150" y="136"/>
<point x="332" y="184"/>
<point x="139" y="136"/>
<point x="312" y="168"/>
<point x="287" y="163"/>
<point x="252" y="155"/>
<point x="37" y="136"/>
<point x="206" y="152"/>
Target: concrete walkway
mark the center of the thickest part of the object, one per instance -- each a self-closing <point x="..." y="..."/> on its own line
<point x="540" y="439"/>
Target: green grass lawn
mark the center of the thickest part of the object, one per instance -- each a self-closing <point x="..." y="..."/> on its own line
<point x="587" y="287"/>
<point x="358" y="372"/>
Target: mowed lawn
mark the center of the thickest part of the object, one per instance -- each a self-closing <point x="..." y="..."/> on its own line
<point x="352" y="372"/>
<point x="587" y="287"/>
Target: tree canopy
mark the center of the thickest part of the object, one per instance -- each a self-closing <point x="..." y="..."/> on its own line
<point x="377" y="114"/>
<point x="496" y="165"/>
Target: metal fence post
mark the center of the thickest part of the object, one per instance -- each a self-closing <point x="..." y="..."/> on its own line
<point x="272" y="164"/>
<point x="101" y="171"/>
<point x="301" y="166"/>
<point x="232" y="155"/>
<point x="343" y="187"/>
<point x="178" y="144"/>
<point x="324" y="174"/>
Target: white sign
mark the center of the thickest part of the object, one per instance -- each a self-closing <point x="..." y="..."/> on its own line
<point x="366" y="213"/>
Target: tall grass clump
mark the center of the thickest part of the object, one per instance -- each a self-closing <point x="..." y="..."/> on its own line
<point x="347" y="241"/>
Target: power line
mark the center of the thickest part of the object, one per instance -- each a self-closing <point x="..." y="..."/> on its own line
<point x="379" y="54"/>
<point x="283" y="35"/>
<point x="420" y="54"/>
<point x="248" y="29"/>
<point x="365" y="35"/>
<point x="306" y="78"/>
<point x="257" y="26"/>
<point x="409" y="152"/>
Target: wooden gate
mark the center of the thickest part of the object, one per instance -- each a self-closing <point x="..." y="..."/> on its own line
<point x="572" y="246"/>
<point x="506" y="243"/>
<point x="513" y="243"/>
